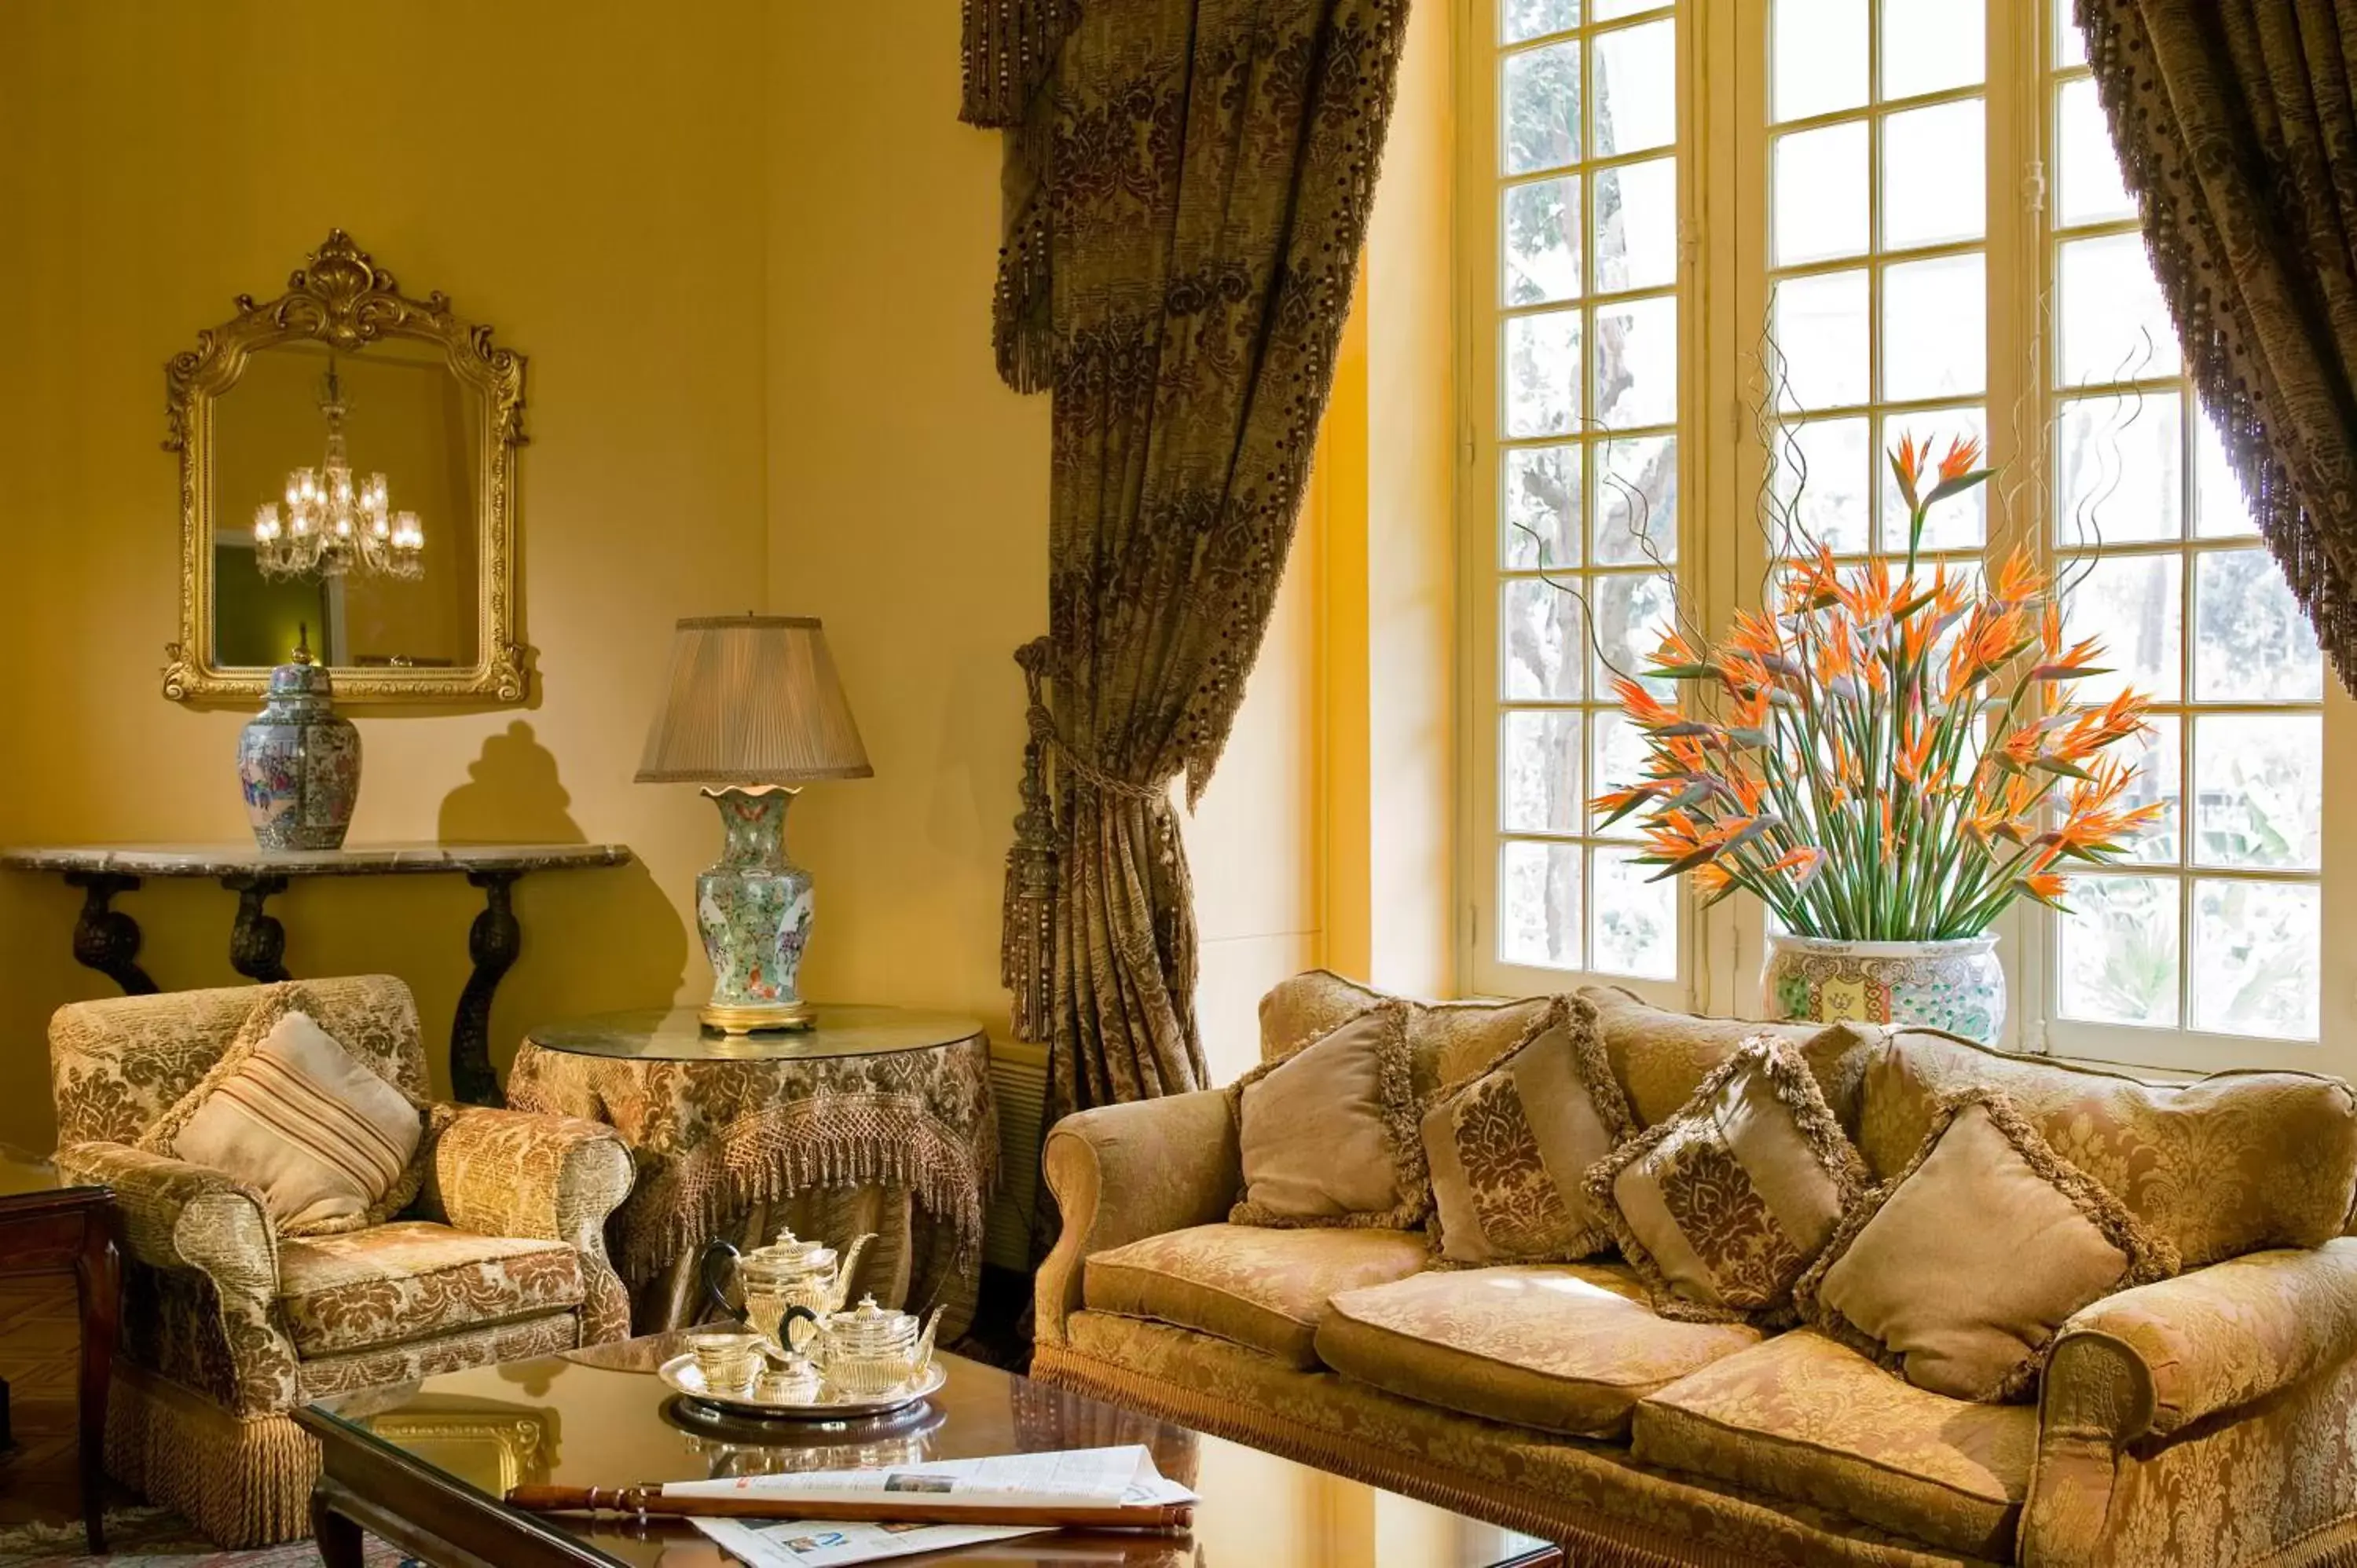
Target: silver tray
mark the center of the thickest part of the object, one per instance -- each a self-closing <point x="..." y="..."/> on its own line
<point x="680" y="1372"/>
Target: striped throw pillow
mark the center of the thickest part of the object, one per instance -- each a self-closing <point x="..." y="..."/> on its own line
<point x="325" y="1141"/>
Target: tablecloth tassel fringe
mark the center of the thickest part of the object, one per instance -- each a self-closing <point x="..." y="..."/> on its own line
<point x="758" y="1162"/>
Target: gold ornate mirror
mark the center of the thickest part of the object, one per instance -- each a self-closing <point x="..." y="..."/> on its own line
<point x="348" y="475"/>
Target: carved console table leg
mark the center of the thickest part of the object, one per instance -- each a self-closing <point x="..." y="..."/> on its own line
<point x="257" y="943"/>
<point x="105" y="938"/>
<point x="492" y="941"/>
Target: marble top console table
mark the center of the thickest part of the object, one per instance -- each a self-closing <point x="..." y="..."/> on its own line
<point x="107" y="940"/>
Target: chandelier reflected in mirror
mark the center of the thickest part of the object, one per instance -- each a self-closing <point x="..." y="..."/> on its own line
<point x="335" y="524"/>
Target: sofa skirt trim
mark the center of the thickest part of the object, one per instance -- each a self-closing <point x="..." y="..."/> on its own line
<point x="243" y="1481"/>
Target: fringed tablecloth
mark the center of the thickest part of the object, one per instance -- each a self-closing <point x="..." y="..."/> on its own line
<point x="902" y="1142"/>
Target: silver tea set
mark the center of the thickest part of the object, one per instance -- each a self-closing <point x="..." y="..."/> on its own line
<point x="801" y="1352"/>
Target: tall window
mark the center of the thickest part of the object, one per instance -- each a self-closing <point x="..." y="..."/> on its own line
<point x="1580" y="343"/>
<point x="1877" y="264"/>
<point x="1763" y="240"/>
<point x="2214" y="927"/>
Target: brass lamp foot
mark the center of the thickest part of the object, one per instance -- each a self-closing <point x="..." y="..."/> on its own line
<point x="752" y="1018"/>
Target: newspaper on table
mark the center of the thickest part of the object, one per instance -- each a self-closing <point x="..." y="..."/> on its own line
<point x="1072" y="1477"/>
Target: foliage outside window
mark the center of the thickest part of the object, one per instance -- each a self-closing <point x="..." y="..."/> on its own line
<point x="1912" y="211"/>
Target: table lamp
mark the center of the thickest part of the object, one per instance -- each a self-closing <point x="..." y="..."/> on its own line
<point x="752" y="712"/>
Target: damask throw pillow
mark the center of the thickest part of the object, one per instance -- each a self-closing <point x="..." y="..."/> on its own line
<point x="1721" y="1207"/>
<point x="1507" y="1149"/>
<point x="1328" y="1135"/>
<point x="329" y="1146"/>
<point x="1958" y="1271"/>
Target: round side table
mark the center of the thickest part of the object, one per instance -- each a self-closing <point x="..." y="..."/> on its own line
<point x="880" y="1119"/>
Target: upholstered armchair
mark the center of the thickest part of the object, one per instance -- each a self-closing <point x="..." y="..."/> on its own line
<point x="227" y="1324"/>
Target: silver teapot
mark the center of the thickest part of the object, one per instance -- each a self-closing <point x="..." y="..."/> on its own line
<point x="871" y="1350"/>
<point x="788" y="1281"/>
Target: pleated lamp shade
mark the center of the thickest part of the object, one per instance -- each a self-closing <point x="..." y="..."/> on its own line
<point x="752" y="700"/>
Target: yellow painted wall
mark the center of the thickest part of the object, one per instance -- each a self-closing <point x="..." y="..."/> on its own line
<point x="748" y="250"/>
<point x="585" y="176"/>
<point x="1388" y="611"/>
<point x="1411" y="591"/>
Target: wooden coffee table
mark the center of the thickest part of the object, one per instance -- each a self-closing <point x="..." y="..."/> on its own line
<point x="423" y="1466"/>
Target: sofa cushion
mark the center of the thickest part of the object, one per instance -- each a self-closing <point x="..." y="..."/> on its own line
<point x="1720" y="1208"/>
<point x="1509" y="1149"/>
<point x="1262" y="1288"/>
<point x="1804" y="1419"/>
<point x="1447" y="1041"/>
<point x="287" y="1110"/>
<point x="1660" y="1055"/>
<point x="1958" y="1272"/>
<point x="2220" y="1166"/>
<point x="392" y="1283"/>
<point x="1326" y="1136"/>
<point x="1567" y="1347"/>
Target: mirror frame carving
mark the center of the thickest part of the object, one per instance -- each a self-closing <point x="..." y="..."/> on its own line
<point x="344" y="299"/>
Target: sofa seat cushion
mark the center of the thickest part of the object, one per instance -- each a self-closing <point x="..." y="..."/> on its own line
<point x="1804" y="1419"/>
<point x="1567" y="1347"/>
<point x="1262" y="1288"/>
<point x="394" y="1283"/>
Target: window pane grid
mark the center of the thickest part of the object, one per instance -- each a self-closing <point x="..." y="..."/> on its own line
<point x="2213" y="925"/>
<point x="1876" y="269"/>
<point x="1585" y="308"/>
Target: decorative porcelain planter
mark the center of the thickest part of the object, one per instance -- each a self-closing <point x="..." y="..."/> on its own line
<point x="1956" y="986"/>
<point x="298" y="762"/>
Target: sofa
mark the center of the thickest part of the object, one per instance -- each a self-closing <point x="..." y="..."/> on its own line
<point x="229" y="1325"/>
<point x="2207" y="1419"/>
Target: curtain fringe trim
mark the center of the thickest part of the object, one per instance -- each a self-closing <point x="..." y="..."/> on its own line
<point x="1592" y="1541"/>
<point x="1022" y="325"/>
<point x="2284" y="521"/>
<point x="1009" y="45"/>
<point x="758" y="1161"/>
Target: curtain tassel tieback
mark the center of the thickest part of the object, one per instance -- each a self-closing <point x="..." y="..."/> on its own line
<point x="1027" y="951"/>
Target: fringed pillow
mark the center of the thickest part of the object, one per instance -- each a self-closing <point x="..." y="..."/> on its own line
<point x="1507" y="1149"/>
<point x="328" y="1144"/>
<point x="1721" y="1207"/>
<point x="1328" y="1135"/>
<point x="1959" y="1271"/>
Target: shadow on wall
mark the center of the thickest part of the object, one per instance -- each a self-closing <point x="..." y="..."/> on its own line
<point x="594" y="941"/>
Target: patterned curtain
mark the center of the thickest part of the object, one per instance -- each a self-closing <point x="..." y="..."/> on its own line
<point x="2236" y="121"/>
<point x="1186" y="187"/>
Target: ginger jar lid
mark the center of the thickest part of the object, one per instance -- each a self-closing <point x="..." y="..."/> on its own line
<point x="300" y="676"/>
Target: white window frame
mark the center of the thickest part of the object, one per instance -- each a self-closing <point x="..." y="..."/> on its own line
<point x="1723" y="288"/>
<point x="1481" y="314"/>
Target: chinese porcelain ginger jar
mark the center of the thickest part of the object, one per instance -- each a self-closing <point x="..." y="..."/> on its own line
<point x="299" y="761"/>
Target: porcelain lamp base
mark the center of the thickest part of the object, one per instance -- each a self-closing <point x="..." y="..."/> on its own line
<point x="754" y="908"/>
<point x="758" y="1018"/>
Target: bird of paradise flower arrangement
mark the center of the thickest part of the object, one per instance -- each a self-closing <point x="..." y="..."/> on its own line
<point x="1830" y="757"/>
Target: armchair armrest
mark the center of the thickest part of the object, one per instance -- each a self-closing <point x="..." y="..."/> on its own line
<point x="1123" y="1172"/>
<point x="182" y="1217"/>
<point x="177" y="1215"/>
<point x="552" y="1179"/>
<point x="2177" y="1360"/>
<point x="2153" y="1361"/>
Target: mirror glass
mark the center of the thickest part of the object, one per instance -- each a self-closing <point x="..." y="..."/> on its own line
<point x="375" y="556"/>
